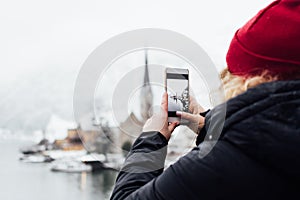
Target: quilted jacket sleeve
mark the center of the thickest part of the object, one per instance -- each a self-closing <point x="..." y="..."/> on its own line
<point x="143" y="177"/>
<point x="143" y="164"/>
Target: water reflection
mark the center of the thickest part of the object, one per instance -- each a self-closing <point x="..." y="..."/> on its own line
<point x="83" y="181"/>
<point x="36" y="181"/>
<point x="97" y="183"/>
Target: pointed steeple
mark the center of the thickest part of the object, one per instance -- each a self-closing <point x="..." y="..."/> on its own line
<point x="146" y="74"/>
<point x="146" y="93"/>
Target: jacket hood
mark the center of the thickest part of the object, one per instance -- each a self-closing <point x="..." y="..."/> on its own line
<point x="264" y="124"/>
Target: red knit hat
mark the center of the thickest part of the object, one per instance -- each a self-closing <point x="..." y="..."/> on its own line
<point x="269" y="41"/>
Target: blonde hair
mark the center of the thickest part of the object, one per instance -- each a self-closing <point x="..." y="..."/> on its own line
<point x="234" y="85"/>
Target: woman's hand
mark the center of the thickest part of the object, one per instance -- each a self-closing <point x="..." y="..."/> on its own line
<point x="159" y="120"/>
<point x="194" y="117"/>
<point x="195" y="107"/>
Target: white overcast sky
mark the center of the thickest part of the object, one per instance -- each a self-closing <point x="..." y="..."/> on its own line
<point x="47" y="41"/>
<point x="38" y="34"/>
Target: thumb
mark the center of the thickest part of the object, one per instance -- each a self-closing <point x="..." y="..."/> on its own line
<point x="172" y="126"/>
<point x="188" y="116"/>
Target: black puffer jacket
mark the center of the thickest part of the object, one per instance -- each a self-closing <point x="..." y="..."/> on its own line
<point x="256" y="157"/>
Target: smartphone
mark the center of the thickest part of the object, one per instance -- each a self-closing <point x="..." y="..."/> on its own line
<point x="177" y="87"/>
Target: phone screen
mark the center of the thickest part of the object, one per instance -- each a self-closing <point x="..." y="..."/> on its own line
<point x="177" y="85"/>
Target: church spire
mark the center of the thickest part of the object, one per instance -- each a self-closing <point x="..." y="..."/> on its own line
<point x="146" y="74"/>
<point x="146" y="93"/>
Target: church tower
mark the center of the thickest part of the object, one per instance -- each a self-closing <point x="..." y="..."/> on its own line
<point x="146" y="96"/>
<point x="132" y="127"/>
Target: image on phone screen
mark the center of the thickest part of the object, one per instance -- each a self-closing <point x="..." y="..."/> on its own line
<point x="177" y="85"/>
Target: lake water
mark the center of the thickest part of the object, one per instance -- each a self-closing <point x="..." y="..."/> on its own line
<point x="36" y="181"/>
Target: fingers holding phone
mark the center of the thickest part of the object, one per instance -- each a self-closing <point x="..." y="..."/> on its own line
<point x="159" y="120"/>
<point x="196" y="121"/>
<point x="195" y="107"/>
<point x="181" y="106"/>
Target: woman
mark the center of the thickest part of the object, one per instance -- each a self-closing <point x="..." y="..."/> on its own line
<point x="257" y="154"/>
